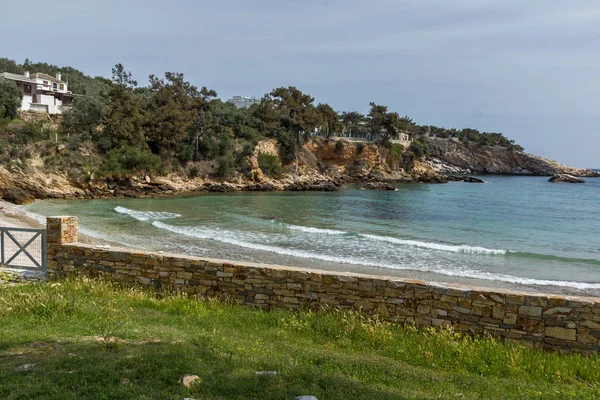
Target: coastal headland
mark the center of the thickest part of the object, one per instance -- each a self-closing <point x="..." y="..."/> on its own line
<point x="320" y="166"/>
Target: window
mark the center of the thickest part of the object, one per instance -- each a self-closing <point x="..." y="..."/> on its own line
<point x="27" y="89"/>
<point x="62" y="86"/>
<point x="45" y="83"/>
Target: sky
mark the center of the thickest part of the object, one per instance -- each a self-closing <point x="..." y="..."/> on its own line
<point x="529" y="69"/>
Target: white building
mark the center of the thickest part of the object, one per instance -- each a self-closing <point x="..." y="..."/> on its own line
<point x="243" y="102"/>
<point x="41" y="92"/>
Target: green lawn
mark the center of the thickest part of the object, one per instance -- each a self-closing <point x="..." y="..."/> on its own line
<point x="93" y="339"/>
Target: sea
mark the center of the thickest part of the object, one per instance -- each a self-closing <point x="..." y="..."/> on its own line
<point x="514" y="232"/>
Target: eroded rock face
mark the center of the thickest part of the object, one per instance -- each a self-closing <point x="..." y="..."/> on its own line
<point x="497" y="160"/>
<point x="565" y="178"/>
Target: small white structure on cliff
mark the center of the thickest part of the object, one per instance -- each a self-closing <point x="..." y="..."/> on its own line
<point x="243" y="101"/>
<point x="41" y="92"/>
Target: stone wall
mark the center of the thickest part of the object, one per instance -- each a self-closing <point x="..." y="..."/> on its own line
<point x="556" y="322"/>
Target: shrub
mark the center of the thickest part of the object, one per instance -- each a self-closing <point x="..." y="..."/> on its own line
<point x="420" y="147"/>
<point x="226" y="167"/>
<point x="10" y="99"/>
<point x="30" y="132"/>
<point x="247" y="149"/>
<point x="193" y="171"/>
<point x="360" y="147"/>
<point x="269" y="164"/>
<point x="339" y="146"/>
<point x="185" y="153"/>
<point x="129" y="161"/>
<point x="395" y="151"/>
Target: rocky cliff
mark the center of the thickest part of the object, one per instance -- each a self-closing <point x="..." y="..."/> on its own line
<point x="321" y="165"/>
<point x="475" y="158"/>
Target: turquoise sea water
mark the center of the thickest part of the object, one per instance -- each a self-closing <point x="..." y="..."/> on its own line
<point x="516" y="232"/>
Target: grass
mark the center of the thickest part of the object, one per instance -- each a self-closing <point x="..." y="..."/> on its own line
<point x="94" y="339"/>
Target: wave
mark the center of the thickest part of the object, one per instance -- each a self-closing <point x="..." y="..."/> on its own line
<point x="146" y="215"/>
<point x="308" y="229"/>
<point x="85" y="231"/>
<point x="462" y="248"/>
<point x="31" y="215"/>
<point x="225" y="237"/>
<point x="549" y="257"/>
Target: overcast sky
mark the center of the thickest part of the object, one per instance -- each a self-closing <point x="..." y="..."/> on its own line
<point x="529" y="69"/>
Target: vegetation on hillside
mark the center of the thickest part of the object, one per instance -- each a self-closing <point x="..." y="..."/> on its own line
<point x="170" y="125"/>
<point x="96" y="339"/>
<point x="468" y="135"/>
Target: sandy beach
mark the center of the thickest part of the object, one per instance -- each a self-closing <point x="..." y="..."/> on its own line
<point x="13" y="216"/>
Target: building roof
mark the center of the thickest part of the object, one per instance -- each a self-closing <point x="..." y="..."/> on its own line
<point x="16" y="77"/>
<point x="41" y="75"/>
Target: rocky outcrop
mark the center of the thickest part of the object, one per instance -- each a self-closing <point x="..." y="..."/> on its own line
<point x="18" y="188"/>
<point x="326" y="186"/>
<point x="321" y="165"/>
<point x="480" y="159"/>
<point x="431" y="177"/>
<point x="468" y="179"/>
<point x="445" y="168"/>
<point x="379" y="186"/>
<point x="565" y="178"/>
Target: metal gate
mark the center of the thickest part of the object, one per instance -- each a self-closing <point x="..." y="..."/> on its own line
<point x="22" y="248"/>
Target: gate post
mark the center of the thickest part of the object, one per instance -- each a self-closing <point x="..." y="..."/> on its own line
<point x="60" y="231"/>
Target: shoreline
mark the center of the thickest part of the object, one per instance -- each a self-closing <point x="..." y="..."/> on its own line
<point x="18" y="214"/>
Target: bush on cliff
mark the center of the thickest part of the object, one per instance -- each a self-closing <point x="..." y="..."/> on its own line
<point x="131" y="161"/>
<point x="419" y="147"/>
<point x="10" y="99"/>
<point x="269" y="164"/>
<point x="394" y="156"/>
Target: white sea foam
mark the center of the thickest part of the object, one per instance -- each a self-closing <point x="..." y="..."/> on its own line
<point x="318" y="231"/>
<point x="462" y="248"/>
<point x="229" y="238"/>
<point x="146" y="215"/>
<point x="36" y="217"/>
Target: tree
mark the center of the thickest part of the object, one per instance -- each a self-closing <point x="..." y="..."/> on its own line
<point x="354" y="122"/>
<point x="10" y="99"/>
<point x="84" y="117"/>
<point x="170" y="111"/>
<point x="387" y="125"/>
<point x="204" y="119"/>
<point x="123" y="120"/>
<point x="297" y="111"/>
<point x="330" y="118"/>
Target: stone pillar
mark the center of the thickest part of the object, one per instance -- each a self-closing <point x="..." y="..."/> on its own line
<point x="59" y="231"/>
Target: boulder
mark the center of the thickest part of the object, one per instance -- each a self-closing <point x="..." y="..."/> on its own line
<point x="17" y="195"/>
<point x="260" y="187"/>
<point x="565" y="178"/>
<point x="469" y="179"/>
<point x="189" y="380"/>
<point x="431" y="177"/>
<point x="379" y="186"/>
<point x="325" y="186"/>
<point x="472" y="179"/>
